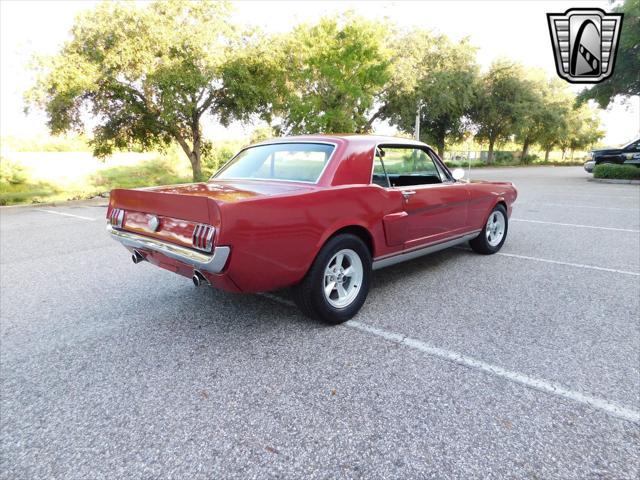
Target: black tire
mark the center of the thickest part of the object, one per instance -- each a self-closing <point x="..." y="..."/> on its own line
<point x="309" y="294"/>
<point x="481" y="243"/>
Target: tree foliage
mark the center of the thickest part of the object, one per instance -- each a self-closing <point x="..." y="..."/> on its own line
<point x="626" y="78"/>
<point x="436" y="76"/>
<point x="502" y="98"/>
<point x="146" y="76"/>
<point x="331" y="74"/>
<point x="582" y="129"/>
<point x="544" y="116"/>
<point x="142" y="78"/>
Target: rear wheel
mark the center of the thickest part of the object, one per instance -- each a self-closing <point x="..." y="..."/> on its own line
<point x="337" y="283"/>
<point x="494" y="234"/>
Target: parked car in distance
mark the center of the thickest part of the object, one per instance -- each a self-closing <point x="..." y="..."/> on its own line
<point x="628" y="154"/>
<point x="315" y="213"/>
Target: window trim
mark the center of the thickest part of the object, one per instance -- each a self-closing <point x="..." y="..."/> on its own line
<point x="291" y="142"/>
<point x="425" y="148"/>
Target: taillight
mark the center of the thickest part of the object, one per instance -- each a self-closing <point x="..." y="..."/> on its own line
<point x="202" y="237"/>
<point x="116" y="218"/>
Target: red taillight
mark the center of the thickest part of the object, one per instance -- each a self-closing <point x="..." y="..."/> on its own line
<point x="116" y="217"/>
<point x="202" y="237"/>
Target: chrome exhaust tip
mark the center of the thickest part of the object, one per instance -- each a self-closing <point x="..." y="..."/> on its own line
<point x="137" y="257"/>
<point x="198" y="279"/>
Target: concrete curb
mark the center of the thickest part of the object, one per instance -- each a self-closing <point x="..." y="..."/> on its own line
<point x="614" y="180"/>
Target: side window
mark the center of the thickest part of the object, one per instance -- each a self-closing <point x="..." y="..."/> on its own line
<point x="406" y="166"/>
<point x="379" y="173"/>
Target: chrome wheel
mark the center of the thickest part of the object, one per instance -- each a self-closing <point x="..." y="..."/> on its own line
<point x="495" y="228"/>
<point x="343" y="278"/>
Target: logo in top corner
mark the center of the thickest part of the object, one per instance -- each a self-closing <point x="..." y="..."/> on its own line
<point x="585" y="41"/>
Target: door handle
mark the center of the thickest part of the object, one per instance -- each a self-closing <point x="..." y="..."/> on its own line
<point x="407" y="193"/>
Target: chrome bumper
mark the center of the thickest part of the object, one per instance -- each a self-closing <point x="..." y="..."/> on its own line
<point x="589" y="165"/>
<point x="213" y="263"/>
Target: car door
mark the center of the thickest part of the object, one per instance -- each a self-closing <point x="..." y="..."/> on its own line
<point x="435" y="206"/>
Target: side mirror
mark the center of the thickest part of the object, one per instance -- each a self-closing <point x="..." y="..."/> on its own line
<point x="458" y="174"/>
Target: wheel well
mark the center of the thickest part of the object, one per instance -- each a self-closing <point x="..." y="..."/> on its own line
<point x="503" y="203"/>
<point x="359" y="232"/>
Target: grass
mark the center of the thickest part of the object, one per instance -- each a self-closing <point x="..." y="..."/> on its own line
<point x="17" y="188"/>
<point x="620" y="172"/>
<point x="152" y="172"/>
<point x="11" y="193"/>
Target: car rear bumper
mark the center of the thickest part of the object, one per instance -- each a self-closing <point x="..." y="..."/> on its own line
<point x="213" y="263"/>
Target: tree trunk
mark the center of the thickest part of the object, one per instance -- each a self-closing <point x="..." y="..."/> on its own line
<point x="546" y="154"/>
<point x="525" y="150"/>
<point x="196" y="165"/>
<point x="440" y="146"/>
<point x="194" y="155"/>
<point x="492" y="142"/>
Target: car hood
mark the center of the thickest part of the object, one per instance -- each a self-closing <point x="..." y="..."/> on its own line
<point x="229" y="191"/>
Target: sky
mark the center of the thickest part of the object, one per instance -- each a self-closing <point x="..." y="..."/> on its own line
<point x="513" y="29"/>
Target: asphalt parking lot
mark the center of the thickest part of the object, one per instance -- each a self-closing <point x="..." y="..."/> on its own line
<point x="524" y="364"/>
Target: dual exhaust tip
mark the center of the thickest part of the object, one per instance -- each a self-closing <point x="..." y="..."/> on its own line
<point x="137" y="257"/>
<point x="198" y="278"/>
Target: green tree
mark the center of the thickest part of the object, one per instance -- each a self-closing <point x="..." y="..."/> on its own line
<point x="502" y="98"/>
<point x="331" y="73"/>
<point x="626" y="76"/>
<point x="544" y="118"/>
<point x="582" y="130"/>
<point x="436" y="76"/>
<point x="146" y="76"/>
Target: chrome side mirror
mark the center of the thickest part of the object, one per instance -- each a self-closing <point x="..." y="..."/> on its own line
<point x="458" y="174"/>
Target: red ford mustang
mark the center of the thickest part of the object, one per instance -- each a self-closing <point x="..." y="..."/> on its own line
<point x="317" y="213"/>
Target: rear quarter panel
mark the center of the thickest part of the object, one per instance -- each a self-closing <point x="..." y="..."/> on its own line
<point x="484" y="196"/>
<point x="274" y="240"/>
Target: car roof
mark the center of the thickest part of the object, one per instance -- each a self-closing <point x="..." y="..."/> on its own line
<point x="371" y="140"/>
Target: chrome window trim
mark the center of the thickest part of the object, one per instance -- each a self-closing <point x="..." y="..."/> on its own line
<point x="213" y="263"/>
<point x="290" y="142"/>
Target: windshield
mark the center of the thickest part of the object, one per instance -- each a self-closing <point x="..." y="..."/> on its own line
<point x="297" y="162"/>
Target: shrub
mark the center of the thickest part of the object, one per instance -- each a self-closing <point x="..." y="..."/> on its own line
<point x="215" y="155"/>
<point x="11" y="173"/>
<point x="463" y="164"/>
<point x="528" y="159"/>
<point x="623" y="172"/>
<point x="503" y="157"/>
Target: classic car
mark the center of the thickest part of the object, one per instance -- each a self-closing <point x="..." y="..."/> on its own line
<point x="316" y="213"/>
<point x="628" y="154"/>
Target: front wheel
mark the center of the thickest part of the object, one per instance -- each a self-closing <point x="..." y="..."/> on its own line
<point x="492" y="237"/>
<point x="337" y="283"/>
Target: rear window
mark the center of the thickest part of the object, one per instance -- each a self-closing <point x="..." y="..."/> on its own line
<point x="297" y="162"/>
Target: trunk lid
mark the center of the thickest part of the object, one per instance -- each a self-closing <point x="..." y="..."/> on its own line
<point x="180" y="209"/>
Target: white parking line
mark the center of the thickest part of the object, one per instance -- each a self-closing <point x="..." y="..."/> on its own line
<point x="577" y="225"/>
<point x="67" y="214"/>
<point x="610" y="408"/>
<point x="597" y="207"/>
<point x="558" y="262"/>
<point x="569" y="264"/>
<point x="601" y="404"/>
